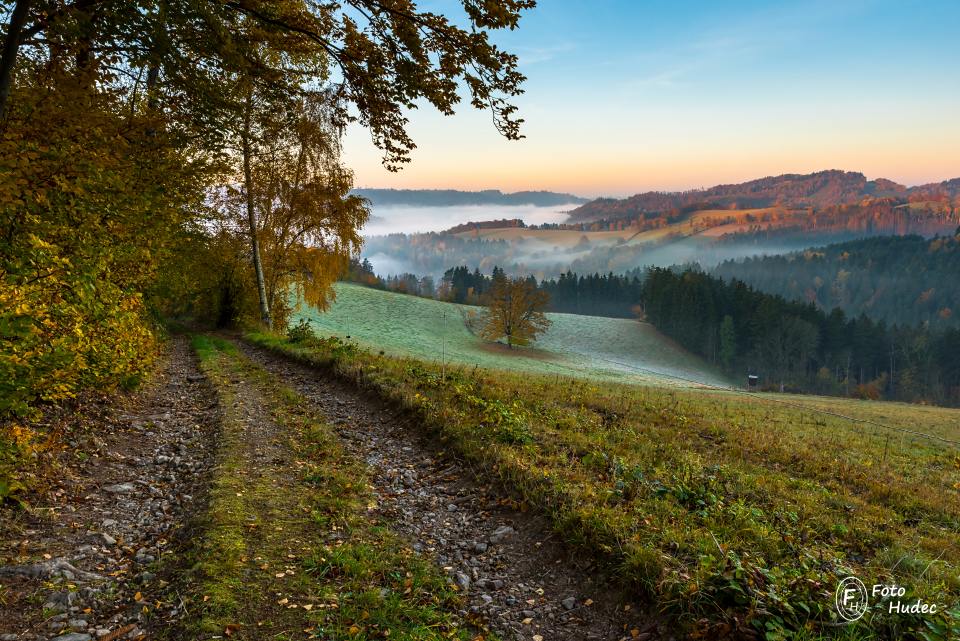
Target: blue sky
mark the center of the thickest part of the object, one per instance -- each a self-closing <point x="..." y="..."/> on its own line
<point x="623" y="97"/>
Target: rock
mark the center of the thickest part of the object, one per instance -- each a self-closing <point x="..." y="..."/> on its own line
<point x="59" y="601"/>
<point x="107" y="539"/>
<point x="106" y="524"/>
<point x="102" y="632"/>
<point x="77" y="624"/>
<point x="73" y="636"/>
<point x="8" y="637"/>
<point x="479" y="547"/>
<point x="120" y="488"/>
<point x="501" y="533"/>
<point x="144" y="559"/>
<point x="569" y="603"/>
<point x="486" y="598"/>
<point x="462" y="580"/>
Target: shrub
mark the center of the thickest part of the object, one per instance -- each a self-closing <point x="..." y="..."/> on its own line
<point x="301" y="332"/>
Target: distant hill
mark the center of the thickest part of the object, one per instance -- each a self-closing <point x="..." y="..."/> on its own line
<point x="705" y="227"/>
<point x="818" y="190"/>
<point x="456" y="198"/>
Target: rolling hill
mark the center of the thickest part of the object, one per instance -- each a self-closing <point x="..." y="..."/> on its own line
<point x="818" y="190"/>
<point x="577" y="346"/>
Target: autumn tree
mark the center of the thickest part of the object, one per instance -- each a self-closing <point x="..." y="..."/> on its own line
<point x="514" y="310"/>
<point x="294" y="203"/>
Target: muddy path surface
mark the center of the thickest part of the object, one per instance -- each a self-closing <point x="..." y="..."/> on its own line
<point x="84" y="562"/>
<point x="517" y="578"/>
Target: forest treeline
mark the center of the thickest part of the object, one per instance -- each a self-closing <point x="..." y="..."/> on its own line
<point x="608" y="294"/>
<point x="795" y="346"/>
<point x="904" y="280"/>
<point x="789" y="344"/>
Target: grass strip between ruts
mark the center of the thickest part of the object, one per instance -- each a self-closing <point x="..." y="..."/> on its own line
<point x="290" y="547"/>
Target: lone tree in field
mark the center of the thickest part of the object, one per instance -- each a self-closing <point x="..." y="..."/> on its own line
<point x="514" y="310"/>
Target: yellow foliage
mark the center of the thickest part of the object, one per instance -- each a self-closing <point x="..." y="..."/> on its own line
<point x="89" y="202"/>
<point x="515" y="311"/>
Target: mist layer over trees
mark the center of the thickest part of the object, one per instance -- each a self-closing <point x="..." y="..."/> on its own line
<point x="900" y="279"/>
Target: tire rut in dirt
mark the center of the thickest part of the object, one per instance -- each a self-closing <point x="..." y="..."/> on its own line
<point x="517" y="579"/>
<point x="89" y="560"/>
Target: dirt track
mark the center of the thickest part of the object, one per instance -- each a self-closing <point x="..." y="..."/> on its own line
<point x="82" y="561"/>
<point x="517" y="578"/>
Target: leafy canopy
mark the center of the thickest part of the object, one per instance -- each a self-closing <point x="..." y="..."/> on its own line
<point x="515" y="310"/>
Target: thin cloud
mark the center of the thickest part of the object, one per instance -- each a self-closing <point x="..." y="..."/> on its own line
<point x="537" y="55"/>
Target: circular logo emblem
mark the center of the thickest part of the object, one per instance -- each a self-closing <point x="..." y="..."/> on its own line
<point x="851" y="598"/>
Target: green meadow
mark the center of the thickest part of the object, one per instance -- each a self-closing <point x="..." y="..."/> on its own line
<point x="591" y="347"/>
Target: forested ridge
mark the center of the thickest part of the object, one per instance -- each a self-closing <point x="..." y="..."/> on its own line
<point x="815" y="191"/>
<point x="458" y="198"/>
<point x="798" y="347"/>
<point x="905" y="280"/>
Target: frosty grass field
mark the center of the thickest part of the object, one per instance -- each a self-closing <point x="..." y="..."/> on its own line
<point x="579" y="346"/>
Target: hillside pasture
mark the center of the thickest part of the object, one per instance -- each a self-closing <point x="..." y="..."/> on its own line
<point x="610" y="349"/>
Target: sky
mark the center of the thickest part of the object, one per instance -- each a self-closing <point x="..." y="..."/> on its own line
<point x="627" y="96"/>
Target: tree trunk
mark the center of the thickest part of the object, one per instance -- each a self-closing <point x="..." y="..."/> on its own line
<point x="252" y="214"/>
<point x="10" y="49"/>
